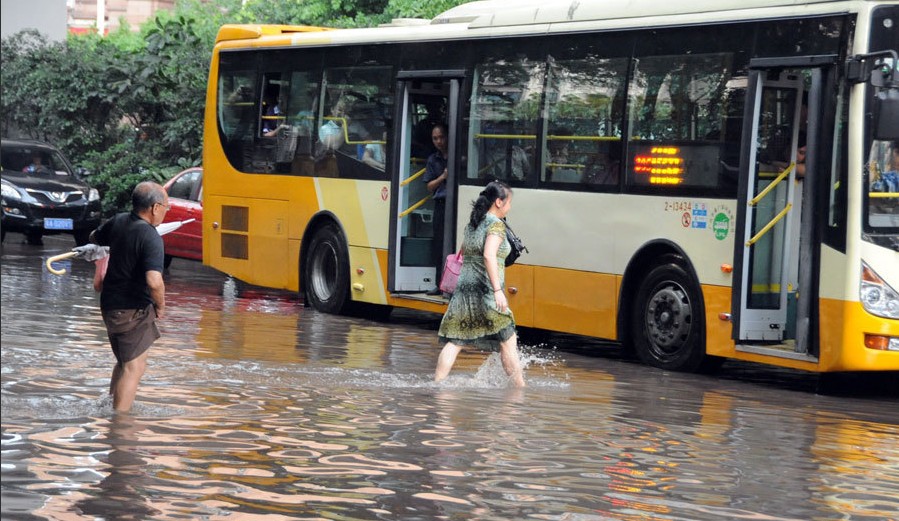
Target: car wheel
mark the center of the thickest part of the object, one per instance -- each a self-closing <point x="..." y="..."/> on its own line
<point x="167" y="261"/>
<point x="327" y="271"/>
<point x="34" y="238"/>
<point x="667" y="323"/>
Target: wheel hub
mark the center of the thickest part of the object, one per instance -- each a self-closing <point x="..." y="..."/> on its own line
<point x="669" y="318"/>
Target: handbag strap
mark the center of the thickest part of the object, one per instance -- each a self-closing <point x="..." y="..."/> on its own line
<point x="510" y="230"/>
<point x="509" y="227"/>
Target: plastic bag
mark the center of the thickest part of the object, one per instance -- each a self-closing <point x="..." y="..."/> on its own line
<point x="451" y="270"/>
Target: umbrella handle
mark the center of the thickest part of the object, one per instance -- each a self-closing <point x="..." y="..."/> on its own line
<point x="57" y="258"/>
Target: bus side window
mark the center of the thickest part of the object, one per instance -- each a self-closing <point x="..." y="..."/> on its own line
<point x="236" y="115"/>
<point x="677" y="117"/>
<point x="585" y="101"/>
<point x="504" y="119"/>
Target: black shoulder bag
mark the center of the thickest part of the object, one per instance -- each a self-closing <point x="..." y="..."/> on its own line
<point x="517" y="246"/>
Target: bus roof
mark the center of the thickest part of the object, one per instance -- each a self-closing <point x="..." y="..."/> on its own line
<point x="243" y="32"/>
<point x="498" y="13"/>
<point x="487" y="18"/>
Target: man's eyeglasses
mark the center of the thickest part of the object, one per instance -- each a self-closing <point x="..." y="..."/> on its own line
<point x="166" y="206"/>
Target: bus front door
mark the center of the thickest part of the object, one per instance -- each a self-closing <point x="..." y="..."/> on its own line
<point x="767" y="246"/>
<point x="416" y="241"/>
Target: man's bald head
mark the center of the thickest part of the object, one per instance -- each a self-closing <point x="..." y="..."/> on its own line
<point x="145" y="195"/>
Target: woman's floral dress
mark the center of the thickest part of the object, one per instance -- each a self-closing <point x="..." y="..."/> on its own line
<point x="472" y="318"/>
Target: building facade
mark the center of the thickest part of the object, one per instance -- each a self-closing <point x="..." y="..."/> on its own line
<point x="55" y="18"/>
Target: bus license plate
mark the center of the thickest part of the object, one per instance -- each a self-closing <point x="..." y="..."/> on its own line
<point x="57" y="224"/>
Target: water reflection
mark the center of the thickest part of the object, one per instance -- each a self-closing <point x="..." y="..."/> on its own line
<point x="254" y="407"/>
<point x="121" y="493"/>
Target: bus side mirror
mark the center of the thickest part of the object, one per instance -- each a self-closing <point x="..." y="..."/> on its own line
<point x="884" y="73"/>
<point x="886" y="115"/>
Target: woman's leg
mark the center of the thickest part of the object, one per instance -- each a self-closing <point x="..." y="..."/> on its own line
<point x="509" y="355"/>
<point x="446" y="360"/>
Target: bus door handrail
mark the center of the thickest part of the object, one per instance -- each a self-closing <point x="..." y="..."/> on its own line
<point x="783" y="175"/>
<point x="414" y="207"/>
<point x="780" y="215"/>
<point x="417" y="205"/>
<point x="412" y="177"/>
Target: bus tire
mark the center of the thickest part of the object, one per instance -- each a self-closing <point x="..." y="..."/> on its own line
<point x="327" y="271"/>
<point x="667" y="322"/>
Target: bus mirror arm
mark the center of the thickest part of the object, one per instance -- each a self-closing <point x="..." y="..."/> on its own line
<point x="881" y="71"/>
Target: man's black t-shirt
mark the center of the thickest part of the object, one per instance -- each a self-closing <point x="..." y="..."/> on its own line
<point x="135" y="247"/>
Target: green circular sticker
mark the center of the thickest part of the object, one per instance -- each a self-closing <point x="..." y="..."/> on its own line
<point x="721" y="225"/>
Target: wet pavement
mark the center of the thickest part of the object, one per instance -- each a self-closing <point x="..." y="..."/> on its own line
<point x="255" y="407"/>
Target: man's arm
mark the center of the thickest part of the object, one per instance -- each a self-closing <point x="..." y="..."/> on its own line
<point x="157" y="291"/>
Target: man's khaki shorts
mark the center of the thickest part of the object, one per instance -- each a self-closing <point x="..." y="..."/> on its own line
<point x="131" y="331"/>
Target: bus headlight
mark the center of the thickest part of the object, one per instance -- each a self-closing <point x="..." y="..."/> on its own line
<point x="877" y="297"/>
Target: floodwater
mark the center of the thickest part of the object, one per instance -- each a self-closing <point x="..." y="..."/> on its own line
<point x="255" y="407"/>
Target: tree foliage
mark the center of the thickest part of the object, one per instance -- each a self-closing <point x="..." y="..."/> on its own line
<point x="129" y="106"/>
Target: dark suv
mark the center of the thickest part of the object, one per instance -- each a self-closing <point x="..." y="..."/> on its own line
<point x="42" y="195"/>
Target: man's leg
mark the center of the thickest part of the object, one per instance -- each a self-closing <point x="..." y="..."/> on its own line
<point x="116" y="376"/>
<point x="437" y="257"/>
<point x="126" y="385"/>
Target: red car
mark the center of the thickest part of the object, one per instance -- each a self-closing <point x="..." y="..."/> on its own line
<point x="186" y="199"/>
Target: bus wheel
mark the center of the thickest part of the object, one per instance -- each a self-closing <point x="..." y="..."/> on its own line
<point x="327" y="276"/>
<point x="667" y="324"/>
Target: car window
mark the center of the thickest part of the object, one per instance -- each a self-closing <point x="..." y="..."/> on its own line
<point x="35" y="160"/>
<point x="184" y="186"/>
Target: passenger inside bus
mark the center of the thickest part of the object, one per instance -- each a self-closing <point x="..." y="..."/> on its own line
<point x="603" y="166"/>
<point x="422" y="144"/>
<point x="375" y="154"/>
<point x="273" y="113"/>
<point x="435" y="178"/>
<point x="331" y="133"/>
<point x="505" y="160"/>
<point x="559" y="164"/>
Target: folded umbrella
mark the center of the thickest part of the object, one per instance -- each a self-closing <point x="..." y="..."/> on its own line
<point x="95" y="252"/>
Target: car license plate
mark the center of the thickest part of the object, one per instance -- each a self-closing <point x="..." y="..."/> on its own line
<point x="57" y="224"/>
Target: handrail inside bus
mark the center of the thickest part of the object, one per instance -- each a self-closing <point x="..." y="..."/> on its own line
<point x="883" y="195"/>
<point x="549" y="137"/>
<point x="346" y="134"/>
<point x="412" y="177"/>
<point x="755" y="200"/>
<point x="414" y="207"/>
<point x="770" y="225"/>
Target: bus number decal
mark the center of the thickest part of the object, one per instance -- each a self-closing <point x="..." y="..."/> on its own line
<point x="678" y="206"/>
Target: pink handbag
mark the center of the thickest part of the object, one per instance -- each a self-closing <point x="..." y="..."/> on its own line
<point x="451" y="270"/>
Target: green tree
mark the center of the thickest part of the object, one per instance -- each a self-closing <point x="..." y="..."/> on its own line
<point x="129" y="106"/>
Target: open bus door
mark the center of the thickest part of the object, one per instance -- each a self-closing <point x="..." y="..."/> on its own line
<point x="424" y="99"/>
<point x="776" y="247"/>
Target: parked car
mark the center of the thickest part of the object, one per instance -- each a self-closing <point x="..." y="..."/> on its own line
<point x="186" y="199"/>
<point x="42" y="195"/>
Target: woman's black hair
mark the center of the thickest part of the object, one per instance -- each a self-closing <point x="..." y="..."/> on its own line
<point x="479" y="208"/>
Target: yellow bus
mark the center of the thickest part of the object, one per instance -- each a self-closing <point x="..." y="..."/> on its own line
<point x="700" y="180"/>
